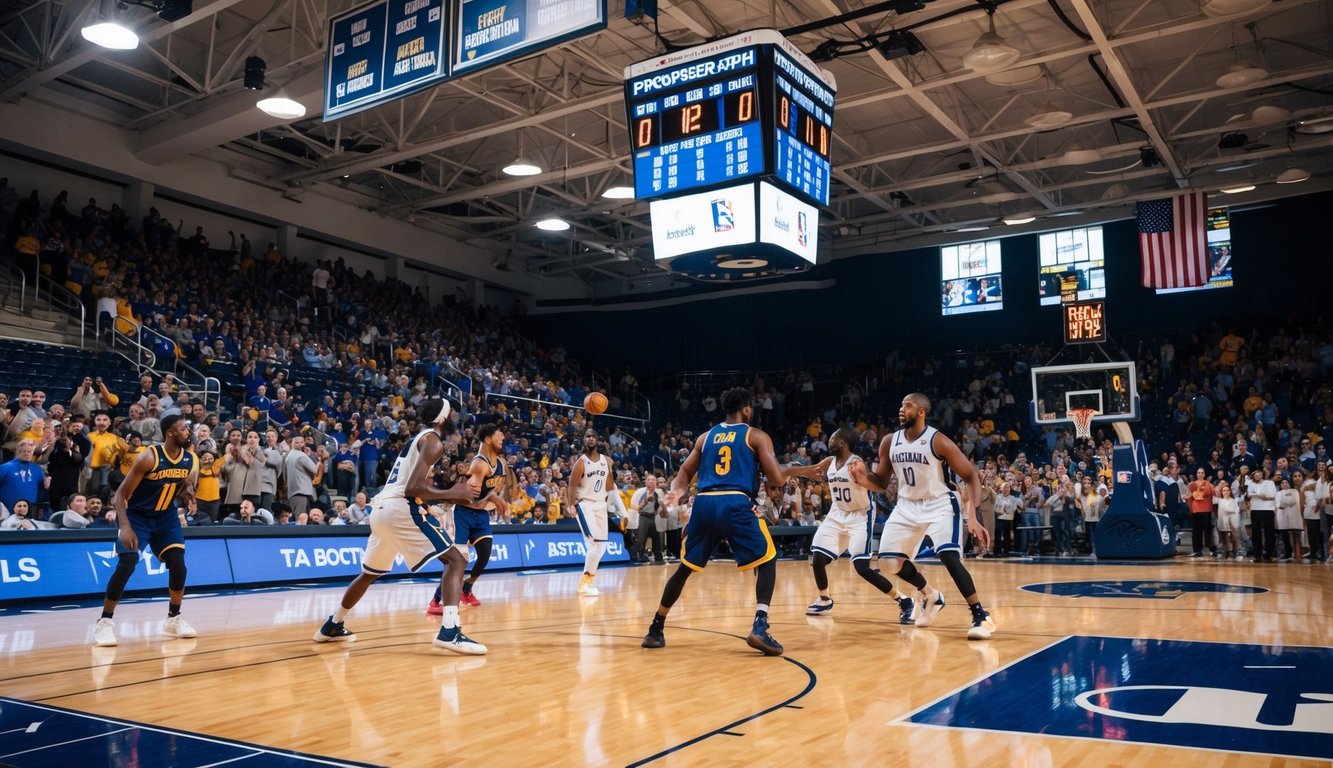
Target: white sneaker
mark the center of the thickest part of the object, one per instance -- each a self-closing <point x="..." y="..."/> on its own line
<point x="177" y="626"/>
<point x="453" y="639"/>
<point x="932" y="601"/>
<point x="588" y="590"/>
<point x="104" y="633"/>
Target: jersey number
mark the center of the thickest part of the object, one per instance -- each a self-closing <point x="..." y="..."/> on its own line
<point x="393" y="473"/>
<point x="723" y="465"/>
<point x="164" y="498"/>
<point x="909" y="476"/>
<point x="843" y="495"/>
<point x="597" y="486"/>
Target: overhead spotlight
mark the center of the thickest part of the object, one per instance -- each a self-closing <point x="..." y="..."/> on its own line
<point x="111" y="34"/>
<point x="1218" y="8"/>
<point x="1268" y="114"/>
<point x="976" y="228"/>
<point x="1241" y="74"/>
<point x="1314" y="124"/>
<point x="281" y="106"/>
<point x="1236" y="190"/>
<point x="619" y="193"/>
<point x="1015" y="219"/>
<point x="1149" y="157"/>
<point x="522" y="167"/>
<point x="1015" y="76"/>
<point x="899" y="44"/>
<point x="255" y="69"/>
<point x="990" y="52"/>
<point x="1293" y="176"/>
<point x="1077" y="154"/>
<point x="553" y="224"/>
<point x="1047" y="117"/>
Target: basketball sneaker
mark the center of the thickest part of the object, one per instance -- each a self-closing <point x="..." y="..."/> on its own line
<point x="760" y="640"/>
<point x="820" y="607"/>
<point x="104" y="633"/>
<point x="453" y="639"/>
<point x="932" y="602"/>
<point x="434" y="607"/>
<point x="333" y="631"/>
<point x="655" y="638"/>
<point x="467" y="598"/>
<point x="177" y="626"/>
<point x="587" y="588"/>
<point x="982" y="626"/>
<point x="906" y="610"/>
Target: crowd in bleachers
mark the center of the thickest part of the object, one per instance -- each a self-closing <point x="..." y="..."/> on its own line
<point x="322" y="369"/>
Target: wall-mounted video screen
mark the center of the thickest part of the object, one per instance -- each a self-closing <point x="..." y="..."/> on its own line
<point x="1072" y="261"/>
<point x="1219" y="254"/>
<point x="970" y="278"/>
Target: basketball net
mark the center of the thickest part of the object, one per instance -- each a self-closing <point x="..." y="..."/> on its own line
<point x="1082" y="418"/>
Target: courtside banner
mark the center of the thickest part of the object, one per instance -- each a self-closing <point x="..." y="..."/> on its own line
<point x="82" y="568"/>
<point x="552" y="548"/>
<point x="268" y="560"/>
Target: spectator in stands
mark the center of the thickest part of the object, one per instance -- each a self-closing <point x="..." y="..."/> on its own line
<point x="208" y="488"/>
<point x="92" y="396"/>
<point x="191" y="515"/>
<point x="648" y="503"/>
<point x="18" y="519"/>
<point x="75" y="514"/>
<point x="272" y="471"/>
<point x="148" y="427"/>
<point x="1200" y="495"/>
<point x="302" y="473"/>
<point x="358" y="512"/>
<point x="1262" y="495"/>
<point x="1290" y="521"/>
<point x="245" y="514"/>
<point x="102" y="514"/>
<point x="64" y="463"/>
<point x="21" y="479"/>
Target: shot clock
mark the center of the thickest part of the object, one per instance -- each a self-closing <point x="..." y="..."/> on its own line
<point x="1084" y="322"/>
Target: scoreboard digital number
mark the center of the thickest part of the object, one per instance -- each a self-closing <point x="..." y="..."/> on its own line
<point x="803" y="129"/>
<point x="743" y="107"/>
<point x="696" y="125"/>
<point x="1085" y="322"/>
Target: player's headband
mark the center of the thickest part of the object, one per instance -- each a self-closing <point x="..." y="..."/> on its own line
<point x="444" y="413"/>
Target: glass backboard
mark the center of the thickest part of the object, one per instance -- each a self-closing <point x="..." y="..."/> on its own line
<point x="1112" y="389"/>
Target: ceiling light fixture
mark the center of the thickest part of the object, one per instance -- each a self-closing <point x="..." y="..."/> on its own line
<point x="990" y="52"/>
<point x="1015" y="76"/>
<point x="1077" y="154"/>
<point x="1047" y="117"/>
<point x="1219" y="8"/>
<point x="1314" y="124"/>
<point x="1293" y="176"/>
<point x="619" y="193"/>
<point x="1236" y="190"/>
<point x="1019" y="218"/>
<point x="522" y="167"/>
<point x="281" y="106"/>
<point x="111" y="34"/>
<point x="1241" y="74"/>
<point x="977" y="228"/>
<point x="1268" y="114"/>
<point x="553" y="224"/>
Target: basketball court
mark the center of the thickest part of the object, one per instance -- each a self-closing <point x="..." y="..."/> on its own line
<point x="1094" y="663"/>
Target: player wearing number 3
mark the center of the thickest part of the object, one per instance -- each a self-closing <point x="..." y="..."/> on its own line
<point x="919" y="455"/>
<point x="588" y="483"/>
<point x="161" y="479"/>
<point x="849" y="526"/>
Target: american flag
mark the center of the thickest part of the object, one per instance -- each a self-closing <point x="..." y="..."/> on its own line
<point x="1173" y="241"/>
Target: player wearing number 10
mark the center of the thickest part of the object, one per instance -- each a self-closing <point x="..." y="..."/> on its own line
<point x="159" y="480"/>
<point x="727" y="459"/>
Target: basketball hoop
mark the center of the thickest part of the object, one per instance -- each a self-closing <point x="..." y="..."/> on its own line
<point x="1082" y="418"/>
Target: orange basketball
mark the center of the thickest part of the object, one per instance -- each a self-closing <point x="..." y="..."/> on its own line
<point x="595" y="402"/>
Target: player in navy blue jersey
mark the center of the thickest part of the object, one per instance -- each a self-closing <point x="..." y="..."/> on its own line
<point x="727" y="460"/>
<point x="161" y="479"/>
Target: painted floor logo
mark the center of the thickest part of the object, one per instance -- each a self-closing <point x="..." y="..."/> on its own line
<point x="1138" y="588"/>
<point x="1247" y="698"/>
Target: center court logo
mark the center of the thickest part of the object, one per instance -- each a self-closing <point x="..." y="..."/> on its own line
<point x="1141" y="589"/>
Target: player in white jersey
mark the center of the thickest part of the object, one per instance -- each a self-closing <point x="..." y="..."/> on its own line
<point x="589" y="481"/>
<point x="401" y="524"/>
<point x="919" y="455"/>
<point x="849" y="526"/>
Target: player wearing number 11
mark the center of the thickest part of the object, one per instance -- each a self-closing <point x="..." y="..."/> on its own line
<point x="920" y="455"/>
<point x="160" y="479"/>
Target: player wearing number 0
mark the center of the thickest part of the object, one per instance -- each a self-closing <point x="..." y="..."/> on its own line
<point x="919" y="455"/>
<point x="161" y="479"/>
<point x="727" y="459"/>
<point x="586" y="495"/>
<point x="401" y="524"/>
<point x="849" y="526"/>
<point x="471" y="518"/>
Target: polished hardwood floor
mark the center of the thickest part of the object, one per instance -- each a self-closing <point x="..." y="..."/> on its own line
<point x="565" y="682"/>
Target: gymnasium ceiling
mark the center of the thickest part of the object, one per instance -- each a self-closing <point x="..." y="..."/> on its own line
<point x="923" y="145"/>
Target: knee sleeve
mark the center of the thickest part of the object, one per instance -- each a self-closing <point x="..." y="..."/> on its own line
<point x="908" y="573"/>
<point x="174" y="559"/>
<point x="671" y="593"/>
<point x="953" y="563"/>
<point x="483" y="550"/>
<point x="115" y="586"/>
<point x="820" y="564"/>
<point x="873" y="576"/>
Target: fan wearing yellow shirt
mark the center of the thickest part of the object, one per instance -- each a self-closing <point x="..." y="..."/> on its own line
<point x="106" y="446"/>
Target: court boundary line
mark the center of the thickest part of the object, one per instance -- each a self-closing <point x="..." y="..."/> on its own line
<point x="905" y="720"/>
<point x="132" y="724"/>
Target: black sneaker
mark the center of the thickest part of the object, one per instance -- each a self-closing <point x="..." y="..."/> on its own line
<point x="333" y="631"/>
<point x="906" y="610"/>
<point x="655" y="637"/>
<point x="760" y="640"/>
<point x="982" y="626"/>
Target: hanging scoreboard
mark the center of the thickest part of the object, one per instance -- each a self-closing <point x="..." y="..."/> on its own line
<point x="747" y="106"/>
<point x="1084" y="322"/>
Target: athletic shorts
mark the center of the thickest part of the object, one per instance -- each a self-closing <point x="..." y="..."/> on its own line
<point x="399" y="526"/>
<point x="726" y="515"/>
<point x="592" y="519"/>
<point x="940" y="518"/>
<point x="846" y="532"/>
<point x="471" y="525"/>
<point x="160" y="531"/>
